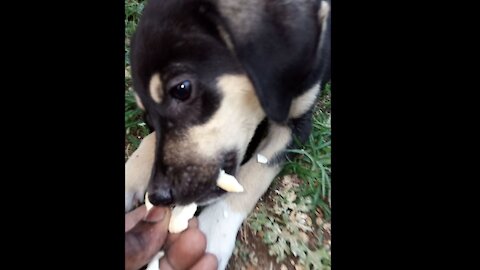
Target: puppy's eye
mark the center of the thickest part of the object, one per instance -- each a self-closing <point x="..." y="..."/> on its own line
<point x="182" y="91"/>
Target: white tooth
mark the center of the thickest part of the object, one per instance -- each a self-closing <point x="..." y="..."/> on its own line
<point x="228" y="182"/>
<point x="148" y="204"/>
<point x="180" y="217"/>
<point x="262" y="159"/>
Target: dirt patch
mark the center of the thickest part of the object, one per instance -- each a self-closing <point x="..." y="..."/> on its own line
<point x="251" y="252"/>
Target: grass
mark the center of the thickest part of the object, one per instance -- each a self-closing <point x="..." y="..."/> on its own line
<point x="133" y="10"/>
<point x="295" y="221"/>
<point x="135" y="128"/>
<point x="284" y="222"/>
<point x="311" y="166"/>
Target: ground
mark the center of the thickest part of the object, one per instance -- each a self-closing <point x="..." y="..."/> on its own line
<point x="290" y="226"/>
<point x="276" y="217"/>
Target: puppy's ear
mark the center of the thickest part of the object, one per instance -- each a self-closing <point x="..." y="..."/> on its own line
<point x="277" y="43"/>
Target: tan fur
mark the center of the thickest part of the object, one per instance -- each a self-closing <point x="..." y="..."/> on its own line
<point x="177" y="150"/>
<point x="156" y="88"/>
<point x="303" y="103"/>
<point x="138" y="167"/>
<point x="256" y="177"/>
<point x="277" y="139"/>
<point x="230" y="127"/>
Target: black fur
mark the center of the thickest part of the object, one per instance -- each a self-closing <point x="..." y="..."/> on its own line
<point x="276" y="43"/>
<point x="176" y="41"/>
<point x="281" y="54"/>
<point x="260" y="132"/>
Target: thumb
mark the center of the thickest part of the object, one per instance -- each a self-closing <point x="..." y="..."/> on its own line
<point x="146" y="238"/>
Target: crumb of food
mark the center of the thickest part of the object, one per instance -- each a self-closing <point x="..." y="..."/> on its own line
<point x="262" y="159"/>
<point x="148" y="204"/>
<point x="228" y="182"/>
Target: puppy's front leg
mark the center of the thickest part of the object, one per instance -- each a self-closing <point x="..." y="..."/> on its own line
<point x="221" y="221"/>
<point x="138" y="169"/>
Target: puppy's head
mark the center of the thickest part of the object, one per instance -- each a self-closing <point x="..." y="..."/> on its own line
<point x="204" y="91"/>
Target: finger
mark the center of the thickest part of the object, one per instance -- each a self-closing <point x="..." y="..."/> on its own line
<point x="207" y="262"/>
<point x="172" y="237"/>
<point x="134" y="217"/>
<point x="165" y="265"/>
<point x="146" y="238"/>
<point x="193" y="223"/>
<point x="187" y="250"/>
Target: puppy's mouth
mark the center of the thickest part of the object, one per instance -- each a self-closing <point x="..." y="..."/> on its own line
<point x="229" y="165"/>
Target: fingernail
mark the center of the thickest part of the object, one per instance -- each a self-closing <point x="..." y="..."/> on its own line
<point x="156" y="214"/>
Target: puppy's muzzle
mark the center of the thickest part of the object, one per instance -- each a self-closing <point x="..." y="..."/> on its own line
<point x="161" y="194"/>
<point x="183" y="185"/>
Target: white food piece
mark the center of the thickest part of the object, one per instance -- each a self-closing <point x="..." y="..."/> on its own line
<point x="155" y="262"/>
<point x="180" y="217"/>
<point x="228" y="182"/>
<point x="262" y="159"/>
<point x="148" y="204"/>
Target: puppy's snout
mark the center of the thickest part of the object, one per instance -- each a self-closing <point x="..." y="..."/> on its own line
<point x="162" y="197"/>
<point x="160" y="190"/>
<point x="183" y="184"/>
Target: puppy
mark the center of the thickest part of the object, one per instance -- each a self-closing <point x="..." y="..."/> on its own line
<point x="207" y="73"/>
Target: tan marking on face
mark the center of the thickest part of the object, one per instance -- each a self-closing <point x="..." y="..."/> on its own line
<point x="303" y="103"/>
<point x="179" y="151"/>
<point x="156" y="88"/>
<point x="234" y="123"/>
<point x="176" y="151"/>
<point x="139" y="102"/>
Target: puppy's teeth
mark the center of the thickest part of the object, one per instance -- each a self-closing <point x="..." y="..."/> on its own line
<point x="148" y="204"/>
<point x="228" y="182"/>
<point x="180" y="217"/>
<point x="262" y="159"/>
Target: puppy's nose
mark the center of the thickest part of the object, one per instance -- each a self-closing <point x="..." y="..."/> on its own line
<point x="161" y="197"/>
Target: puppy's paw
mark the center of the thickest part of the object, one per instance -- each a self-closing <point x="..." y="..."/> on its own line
<point x="220" y="225"/>
<point x="137" y="172"/>
<point x="132" y="199"/>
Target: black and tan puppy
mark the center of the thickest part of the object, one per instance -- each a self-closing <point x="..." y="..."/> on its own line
<point x="206" y="73"/>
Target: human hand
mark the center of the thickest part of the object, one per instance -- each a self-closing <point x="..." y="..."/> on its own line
<point x="146" y="235"/>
